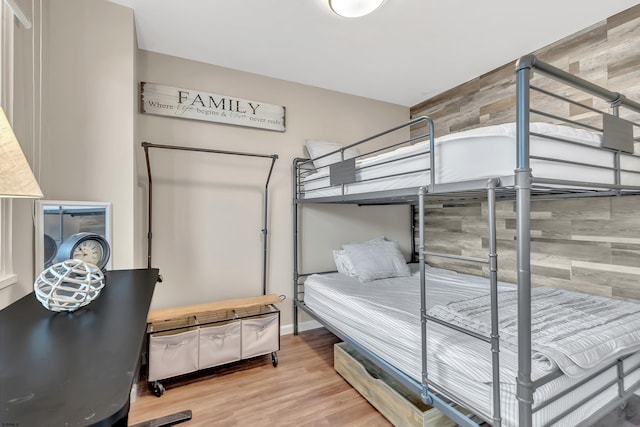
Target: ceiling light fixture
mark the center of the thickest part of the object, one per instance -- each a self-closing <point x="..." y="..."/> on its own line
<point x="354" y="8"/>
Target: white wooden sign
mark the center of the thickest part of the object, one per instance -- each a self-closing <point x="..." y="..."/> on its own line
<point x="193" y="104"/>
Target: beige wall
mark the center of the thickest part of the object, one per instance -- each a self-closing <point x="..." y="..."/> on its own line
<point x="207" y="215"/>
<point x="80" y="138"/>
<point x="88" y="120"/>
<point x="207" y="212"/>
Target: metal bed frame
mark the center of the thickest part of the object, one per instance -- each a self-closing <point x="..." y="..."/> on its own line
<point x="521" y="187"/>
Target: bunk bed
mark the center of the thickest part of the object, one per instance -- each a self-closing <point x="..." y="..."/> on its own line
<point x="561" y="158"/>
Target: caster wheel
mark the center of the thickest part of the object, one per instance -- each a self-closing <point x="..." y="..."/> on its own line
<point x="156" y="388"/>
<point x="274" y="359"/>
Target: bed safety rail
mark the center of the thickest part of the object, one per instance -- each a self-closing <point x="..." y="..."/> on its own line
<point x="333" y="178"/>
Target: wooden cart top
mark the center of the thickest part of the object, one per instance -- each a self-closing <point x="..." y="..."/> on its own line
<point x="191" y="310"/>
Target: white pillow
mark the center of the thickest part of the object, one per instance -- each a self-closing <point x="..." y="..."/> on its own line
<point x="317" y="148"/>
<point x="343" y="263"/>
<point x="381" y="239"/>
<point x="376" y="260"/>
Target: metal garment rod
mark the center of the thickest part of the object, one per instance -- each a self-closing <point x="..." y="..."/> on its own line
<point x="265" y="218"/>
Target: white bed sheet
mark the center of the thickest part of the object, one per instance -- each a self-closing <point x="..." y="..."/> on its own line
<point x="383" y="316"/>
<point x="482" y="153"/>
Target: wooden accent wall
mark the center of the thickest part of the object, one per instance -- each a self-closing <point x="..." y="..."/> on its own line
<point x="588" y="244"/>
<point x="607" y="54"/>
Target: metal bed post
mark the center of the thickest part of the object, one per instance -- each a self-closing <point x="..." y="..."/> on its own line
<point x="296" y="162"/>
<point x="523" y="242"/>
<point x="493" y="279"/>
<point x="423" y="294"/>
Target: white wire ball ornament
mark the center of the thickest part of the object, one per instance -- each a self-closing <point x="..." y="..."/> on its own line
<point x="68" y="285"/>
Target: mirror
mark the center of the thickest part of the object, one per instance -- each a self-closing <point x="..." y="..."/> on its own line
<point x="56" y="221"/>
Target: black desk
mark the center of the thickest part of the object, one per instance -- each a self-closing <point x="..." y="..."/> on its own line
<point x="74" y="369"/>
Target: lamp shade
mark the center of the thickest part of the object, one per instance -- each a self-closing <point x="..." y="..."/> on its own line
<point x="16" y="178"/>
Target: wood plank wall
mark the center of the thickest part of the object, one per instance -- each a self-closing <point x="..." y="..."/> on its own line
<point x="586" y="244"/>
<point x="589" y="244"/>
<point x="607" y="54"/>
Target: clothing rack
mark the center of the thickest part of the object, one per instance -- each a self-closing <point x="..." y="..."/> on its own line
<point x="265" y="217"/>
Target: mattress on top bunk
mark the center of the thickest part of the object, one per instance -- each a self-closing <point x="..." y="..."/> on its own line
<point x="383" y="316"/>
<point x="457" y="159"/>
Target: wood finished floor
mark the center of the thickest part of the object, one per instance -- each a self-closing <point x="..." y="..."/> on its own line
<point x="303" y="390"/>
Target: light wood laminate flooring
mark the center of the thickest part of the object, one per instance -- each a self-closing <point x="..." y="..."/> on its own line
<point x="303" y="390"/>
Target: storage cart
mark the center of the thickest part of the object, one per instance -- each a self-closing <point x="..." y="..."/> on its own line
<point x="186" y="339"/>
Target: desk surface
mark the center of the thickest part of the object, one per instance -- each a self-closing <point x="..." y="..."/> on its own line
<point x="74" y="369"/>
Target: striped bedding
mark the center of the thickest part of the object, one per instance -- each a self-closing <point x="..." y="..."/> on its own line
<point x="573" y="331"/>
<point x="383" y="316"/>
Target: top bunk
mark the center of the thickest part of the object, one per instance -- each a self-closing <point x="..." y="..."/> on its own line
<point x="595" y="153"/>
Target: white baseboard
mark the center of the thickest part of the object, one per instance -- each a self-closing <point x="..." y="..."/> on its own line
<point x="302" y="326"/>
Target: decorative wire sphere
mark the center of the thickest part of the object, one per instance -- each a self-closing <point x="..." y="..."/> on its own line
<point x="68" y="285"/>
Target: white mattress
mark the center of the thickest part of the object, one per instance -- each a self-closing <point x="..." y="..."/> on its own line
<point x="383" y="316"/>
<point x="482" y="153"/>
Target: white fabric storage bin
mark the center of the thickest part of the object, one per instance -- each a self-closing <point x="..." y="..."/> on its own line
<point x="172" y="354"/>
<point x="219" y="344"/>
<point x="260" y="335"/>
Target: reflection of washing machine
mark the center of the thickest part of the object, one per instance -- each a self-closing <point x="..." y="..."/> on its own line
<point x="50" y="250"/>
<point x="57" y="222"/>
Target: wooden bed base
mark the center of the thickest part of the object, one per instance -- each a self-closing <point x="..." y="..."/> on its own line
<point x="391" y="399"/>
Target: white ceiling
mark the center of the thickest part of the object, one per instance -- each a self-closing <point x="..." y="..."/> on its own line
<point x="403" y="53"/>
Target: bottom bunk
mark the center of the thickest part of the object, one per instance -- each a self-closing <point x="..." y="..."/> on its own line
<point x="599" y="367"/>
